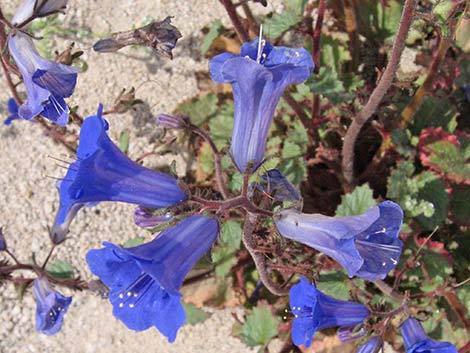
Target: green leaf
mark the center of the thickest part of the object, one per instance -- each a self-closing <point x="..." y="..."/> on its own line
<point x="231" y="234"/>
<point x="459" y="204"/>
<point x="60" y="269"/>
<point x="260" y="327"/>
<point x="223" y="258"/>
<point x="280" y="23"/>
<point x="194" y="315"/>
<point x="294" y="170"/>
<point x="133" y="242"/>
<point x="356" y="202"/>
<point x="290" y="150"/>
<point x="214" y="32"/>
<point x="206" y="158"/>
<point x="433" y="112"/>
<point x="124" y="141"/>
<point x="333" y="54"/>
<point x="435" y="193"/>
<point x="199" y="109"/>
<point x="236" y="182"/>
<point x="329" y="85"/>
<point x="296" y="6"/>
<point x="334" y="284"/>
<point x="221" y="126"/>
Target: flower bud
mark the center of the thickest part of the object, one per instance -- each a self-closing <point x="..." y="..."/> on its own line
<point x="172" y="122"/>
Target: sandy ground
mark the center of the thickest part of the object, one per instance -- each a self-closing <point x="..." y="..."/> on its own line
<point x="28" y="199"/>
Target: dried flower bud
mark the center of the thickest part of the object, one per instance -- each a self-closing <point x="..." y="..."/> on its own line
<point x="146" y="219"/>
<point x="68" y="56"/>
<point x="161" y="36"/>
<point x="173" y="122"/>
<point x="125" y="101"/>
<point x="3" y="243"/>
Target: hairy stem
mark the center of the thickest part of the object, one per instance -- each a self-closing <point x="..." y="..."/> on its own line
<point x="378" y="93"/>
<point x="259" y="259"/>
<point x="237" y="24"/>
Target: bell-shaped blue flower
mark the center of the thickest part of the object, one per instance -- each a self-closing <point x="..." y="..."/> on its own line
<point x="51" y="307"/>
<point x="416" y="340"/>
<point x="103" y="172"/>
<point x="315" y="311"/>
<point x="47" y="83"/>
<point x="13" y="111"/>
<point x="31" y="9"/>
<point x="259" y="75"/>
<point x="366" y="245"/>
<point x="371" y="346"/>
<point x="145" y="280"/>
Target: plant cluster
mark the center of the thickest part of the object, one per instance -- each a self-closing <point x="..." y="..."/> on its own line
<point x="329" y="174"/>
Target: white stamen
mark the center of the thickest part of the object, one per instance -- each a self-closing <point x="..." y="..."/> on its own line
<point x="129" y="294"/>
<point x="121" y="305"/>
<point x="131" y="306"/>
<point x="121" y="296"/>
<point x="394" y="261"/>
<point x="260" y="44"/>
<point x="384" y="263"/>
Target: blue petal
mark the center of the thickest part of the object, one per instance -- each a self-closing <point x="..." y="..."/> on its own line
<point x="55" y="109"/>
<point x="370" y="346"/>
<point x="216" y="64"/>
<point x="379" y="245"/>
<point x="416" y="340"/>
<point x="12" y="106"/>
<point x="58" y="83"/>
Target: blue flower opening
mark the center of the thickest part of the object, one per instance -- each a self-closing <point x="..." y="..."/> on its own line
<point x="315" y="311"/>
<point x="259" y="75"/>
<point x="366" y="245"/>
<point x="145" y="280"/>
<point x="416" y="340"/>
<point x="51" y="307"/>
<point x="47" y="83"/>
<point x="103" y="172"/>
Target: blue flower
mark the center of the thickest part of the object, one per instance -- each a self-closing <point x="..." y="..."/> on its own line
<point x="277" y="186"/>
<point x="13" y="110"/>
<point x="315" y="311"/>
<point x="145" y="280"/>
<point x="47" y="83"/>
<point x="144" y="217"/>
<point x="416" y="340"/>
<point x="103" y="172"/>
<point x="31" y="9"/>
<point x="51" y="307"/>
<point x="259" y="75"/>
<point x="371" y="345"/>
<point x="366" y="245"/>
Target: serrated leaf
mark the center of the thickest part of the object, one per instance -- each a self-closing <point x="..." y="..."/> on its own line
<point x="296" y="6"/>
<point x="194" y="315"/>
<point x="214" y="32"/>
<point x="356" y="202"/>
<point x="133" y="242"/>
<point x="231" y="234"/>
<point x="334" y="284"/>
<point x="60" y="269"/>
<point x="329" y="85"/>
<point x="433" y="112"/>
<point x="124" y="141"/>
<point x="260" y="327"/>
<point x="236" y="182"/>
<point x="199" y="109"/>
<point x="280" y="23"/>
